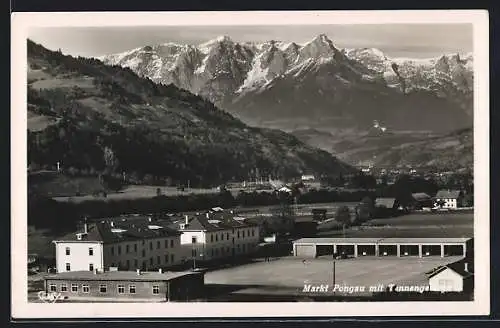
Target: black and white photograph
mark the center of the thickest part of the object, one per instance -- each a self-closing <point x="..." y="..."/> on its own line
<point x="334" y="162"/>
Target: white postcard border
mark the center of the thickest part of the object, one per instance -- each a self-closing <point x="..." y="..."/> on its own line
<point x="21" y="22"/>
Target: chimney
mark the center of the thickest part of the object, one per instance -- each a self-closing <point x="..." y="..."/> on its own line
<point x="138" y="272"/>
<point x="160" y="270"/>
<point x="466" y="267"/>
<point x="187" y="219"/>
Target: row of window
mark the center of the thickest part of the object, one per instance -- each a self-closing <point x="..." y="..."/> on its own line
<point x="166" y="259"/>
<point x="68" y="266"/>
<point x="128" y="250"/>
<point x="216" y="238"/>
<point x="224" y="250"/>
<point x="91" y="251"/>
<point x="103" y="288"/>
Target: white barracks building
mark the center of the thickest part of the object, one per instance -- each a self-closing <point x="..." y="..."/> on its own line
<point x="217" y="236"/>
<point x="125" y="244"/>
<point x="139" y="242"/>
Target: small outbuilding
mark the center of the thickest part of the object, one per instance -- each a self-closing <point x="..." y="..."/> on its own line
<point x="455" y="277"/>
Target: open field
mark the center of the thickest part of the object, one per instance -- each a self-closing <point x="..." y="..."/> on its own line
<point x="288" y="275"/>
<point x="416" y="219"/>
<point x="137" y="192"/>
<point x="413" y="226"/>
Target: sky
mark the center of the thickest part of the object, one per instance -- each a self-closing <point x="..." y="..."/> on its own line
<point x="395" y="40"/>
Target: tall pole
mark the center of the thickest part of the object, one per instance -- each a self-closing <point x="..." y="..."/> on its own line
<point x="333" y="273"/>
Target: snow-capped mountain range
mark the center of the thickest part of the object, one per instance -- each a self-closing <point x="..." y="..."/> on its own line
<point x="315" y="82"/>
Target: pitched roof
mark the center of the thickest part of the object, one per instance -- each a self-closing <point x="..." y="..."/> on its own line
<point x="123" y="230"/>
<point x="419" y="196"/>
<point x="118" y="275"/>
<point x="386" y="202"/>
<point x="213" y="222"/>
<point x="448" y="194"/>
<point x="457" y="267"/>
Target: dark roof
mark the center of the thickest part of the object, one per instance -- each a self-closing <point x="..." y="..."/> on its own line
<point x="419" y="196"/>
<point x="114" y="231"/>
<point x="214" y="222"/>
<point x="448" y="194"/>
<point x="385" y="202"/>
<point x="458" y="267"/>
<point x="117" y="275"/>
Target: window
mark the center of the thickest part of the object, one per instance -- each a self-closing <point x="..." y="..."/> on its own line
<point x="68" y="252"/>
<point x="211" y="238"/>
<point x="216" y="237"/>
<point x="126" y="249"/>
<point x="119" y="249"/>
<point x="238" y="234"/>
<point x="143" y="242"/>
<point x="131" y="289"/>
<point x="445" y="285"/>
<point x="128" y="264"/>
<point x="158" y="259"/>
<point x="63" y="288"/>
<point x="103" y="289"/>
<point x="216" y="252"/>
<point x="68" y="267"/>
<point x="151" y="245"/>
<point x="91" y="267"/>
<point x="172" y="258"/>
<point x="143" y="253"/>
<point x="193" y="252"/>
<point x="112" y="250"/>
<point x="53" y="288"/>
<point x="151" y="261"/>
<point x="156" y="289"/>
<point x="171" y="243"/>
<point x="91" y="251"/>
<point x="166" y="258"/>
<point x="166" y="243"/>
<point x="253" y="232"/>
<point x="227" y="235"/>
<point x="135" y="247"/>
<point x="158" y="244"/>
<point x="85" y="289"/>
<point x="74" y="288"/>
<point x="121" y="289"/>
<point x="212" y="252"/>
<point x="193" y="240"/>
<point x="243" y="247"/>
<point x="135" y="263"/>
<point x="243" y="233"/>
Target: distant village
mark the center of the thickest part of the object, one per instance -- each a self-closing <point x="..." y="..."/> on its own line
<point x="164" y="256"/>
